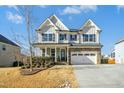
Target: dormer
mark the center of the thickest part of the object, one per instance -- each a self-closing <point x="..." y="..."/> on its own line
<point x="90" y="32"/>
<point x="90" y="24"/>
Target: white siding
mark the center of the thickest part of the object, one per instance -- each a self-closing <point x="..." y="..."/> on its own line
<point x="90" y="30"/>
<point x="53" y="23"/>
<point x="119" y="53"/>
<point x="48" y="30"/>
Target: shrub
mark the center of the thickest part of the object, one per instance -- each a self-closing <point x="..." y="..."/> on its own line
<point x="40" y="61"/>
<point x="23" y="67"/>
<point x="27" y="65"/>
<point x="17" y="63"/>
<point x="104" y="61"/>
<point x="38" y="65"/>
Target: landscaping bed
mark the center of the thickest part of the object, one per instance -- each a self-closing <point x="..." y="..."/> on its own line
<point x="33" y="71"/>
<point x="28" y="72"/>
<point x="38" y="64"/>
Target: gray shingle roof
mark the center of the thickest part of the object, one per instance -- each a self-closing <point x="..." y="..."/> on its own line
<point x="121" y="40"/>
<point x="7" y="41"/>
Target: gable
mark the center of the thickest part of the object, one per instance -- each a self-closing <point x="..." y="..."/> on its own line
<point x="90" y="24"/>
<point x="56" y="21"/>
<point x="47" y="24"/>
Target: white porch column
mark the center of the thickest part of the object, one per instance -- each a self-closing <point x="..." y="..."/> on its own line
<point x="55" y="54"/>
<point x="67" y="55"/>
<point x="60" y="53"/>
<point x="45" y="51"/>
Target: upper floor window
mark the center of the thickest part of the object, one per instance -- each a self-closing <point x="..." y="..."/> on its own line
<point x="85" y="37"/>
<point x="48" y="37"/>
<point x="89" y="37"/>
<point x="92" y="38"/>
<point x="62" y="37"/>
<point x="73" y="37"/>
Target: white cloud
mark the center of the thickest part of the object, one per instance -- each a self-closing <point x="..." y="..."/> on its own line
<point x="13" y="6"/>
<point x="79" y="9"/>
<point x="15" y="18"/>
<point x="71" y="10"/>
<point x="87" y="8"/>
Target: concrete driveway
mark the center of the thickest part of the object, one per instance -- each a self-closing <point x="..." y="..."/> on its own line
<point x="100" y="76"/>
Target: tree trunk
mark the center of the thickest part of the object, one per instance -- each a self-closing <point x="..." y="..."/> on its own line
<point x="28" y="30"/>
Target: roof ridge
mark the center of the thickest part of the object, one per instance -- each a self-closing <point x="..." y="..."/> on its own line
<point x="3" y="39"/>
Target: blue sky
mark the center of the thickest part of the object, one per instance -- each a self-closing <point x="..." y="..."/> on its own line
<point x="109" y="18"/>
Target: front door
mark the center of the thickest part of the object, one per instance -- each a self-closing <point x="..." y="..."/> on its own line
<point x="63" y="57"/>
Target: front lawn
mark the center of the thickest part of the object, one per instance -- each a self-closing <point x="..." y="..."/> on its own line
<point x="57" y="76"/>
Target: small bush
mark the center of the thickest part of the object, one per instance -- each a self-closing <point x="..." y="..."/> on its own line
<point x="104" y="61"/>
<point x="17" y="63"/>
<point x="40" y="62"/>
<point x="27" y="65"/>
<point x="23" y="67"/>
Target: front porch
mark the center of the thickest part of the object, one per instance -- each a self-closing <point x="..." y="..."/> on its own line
<point x="64" y="52"/>
<point x="59" y="53"/>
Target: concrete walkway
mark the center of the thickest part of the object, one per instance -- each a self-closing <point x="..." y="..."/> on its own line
<point x="100" y="76"/>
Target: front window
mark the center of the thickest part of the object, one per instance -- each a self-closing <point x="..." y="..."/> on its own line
<point x="62" y="37"/>
<point x="92" y="38"/>
<point x="73" y="37"/>
<point x="89" y="37"/>
<point x="85" y="37"/>
<point x="48" y="37"/>
<point x="44" y="37"/>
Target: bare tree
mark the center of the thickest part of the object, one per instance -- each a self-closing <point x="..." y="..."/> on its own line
<point x="26" y="13"/>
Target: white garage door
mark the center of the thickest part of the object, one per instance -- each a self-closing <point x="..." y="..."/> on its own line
<point x="78" y="58"/>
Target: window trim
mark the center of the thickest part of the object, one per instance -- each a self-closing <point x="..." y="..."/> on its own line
<point x="73" y="37"/>
<point x="62" y="37"/>
<point x="48" y="37"/>
<point x="89" y="37"/>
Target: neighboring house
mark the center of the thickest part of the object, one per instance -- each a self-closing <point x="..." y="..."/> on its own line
<point x="74" y="46"/>
<point x="119" y="51"/>
<point x="9" y="52"/>
<point x="113" y="54"/>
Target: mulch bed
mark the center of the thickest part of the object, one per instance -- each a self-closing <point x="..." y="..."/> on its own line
<point x="34" y="70"/>
<point x="28" y="72"/>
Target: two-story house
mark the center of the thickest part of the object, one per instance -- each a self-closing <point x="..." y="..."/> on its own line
<point x="74" y="46"/>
